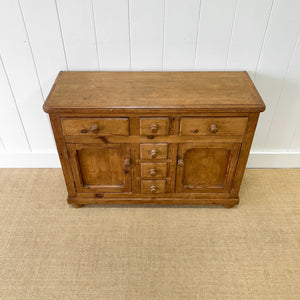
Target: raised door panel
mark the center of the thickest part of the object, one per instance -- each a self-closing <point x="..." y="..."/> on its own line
<point x="206" y="168"/>
<point x="101" y="168"/>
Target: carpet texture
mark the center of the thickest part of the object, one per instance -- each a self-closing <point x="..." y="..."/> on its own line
<point x="49" y="250"/>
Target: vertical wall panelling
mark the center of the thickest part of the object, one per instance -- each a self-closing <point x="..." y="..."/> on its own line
<point x="248" y="34"/>
<point x="276" y="55"/>
<point x="40" y="38"/>
<point x="45" y="37"/>
<point x="12" y="133"/>
<point x="295" y="142"/>
<point x="18" y="62"/>
<point x="111" y="19"/>
<point x="1" y="146"/>
<point x="146" y="34"/>
<point x="78" y="31"/>
<point x="216" y="20"/>
<point x="287" y="112"/>
<point x="181" y="29"/>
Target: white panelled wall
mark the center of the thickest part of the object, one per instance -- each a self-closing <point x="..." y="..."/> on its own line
<point x="40" y="38"/>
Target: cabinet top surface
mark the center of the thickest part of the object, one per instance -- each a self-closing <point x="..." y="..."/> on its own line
<point x="208" y="91"/>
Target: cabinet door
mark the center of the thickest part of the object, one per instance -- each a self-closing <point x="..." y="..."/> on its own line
<point x="101" y="168"/>
<point x="206" y="168"/>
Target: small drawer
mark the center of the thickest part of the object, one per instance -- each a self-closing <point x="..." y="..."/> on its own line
<point x="154" y="151"/>
<point x="154" y="126"/>
<point x="95" y="126"/>
<point x="154" y="170"/>
<point x="213" y="126"/>
<point x="153" y="186"/>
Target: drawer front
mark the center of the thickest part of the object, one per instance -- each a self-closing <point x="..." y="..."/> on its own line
<point x="154" y="126"/>
<point x="154" y="151"/>
<point x="213" y="126"/>
<point x="95" y="126"/>
<point x="153" y="186"/>
<point x="153" y="170"/>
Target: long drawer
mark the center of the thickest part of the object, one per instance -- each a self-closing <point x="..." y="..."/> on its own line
<point x="95" y="126"/>
<point x="213" y="126"/>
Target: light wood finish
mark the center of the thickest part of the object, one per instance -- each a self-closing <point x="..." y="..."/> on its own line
<point x="245" y="150"/>
<point x="158" y="139"/>
<point x="153" y="186"/>
<point x="213" y="126"/>
<point x="154" y="151"/>
<point x="154" y="126"/>
<point x="101" y="168"/>
<point x="169" y="195"/>
<point x="153" y="170"/>
<point x="157" y="199"/>
<point x="63" y="154"/>
<point x="206" y="167"/>
<point x="161" y="138"/>
<point x="162" y="90"/>
<point x="76" y="205"/>
<point x="95" y="126"/>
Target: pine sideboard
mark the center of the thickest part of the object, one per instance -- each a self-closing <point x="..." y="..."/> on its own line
<point x="153" y="137"/>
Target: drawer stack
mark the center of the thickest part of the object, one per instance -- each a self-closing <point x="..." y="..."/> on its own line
<point x="154" y="156"/>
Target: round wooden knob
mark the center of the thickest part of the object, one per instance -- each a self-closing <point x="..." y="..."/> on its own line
<point x="213" y="128"/>
<point x="84" y="131"/>
<point x="126" y="162"/>
<point x="154" y="128"/>
<point x="180" y="162"/>
<point x="95" y="128"/>
<point x="153" y="172"/>
<point x="153" y="188"/>
<point x="153" y="153"/>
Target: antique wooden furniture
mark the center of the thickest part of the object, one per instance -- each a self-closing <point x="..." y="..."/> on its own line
<point x="153" y="137"/>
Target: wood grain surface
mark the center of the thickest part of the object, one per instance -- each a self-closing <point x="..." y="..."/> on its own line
<point x="201" y="90"/>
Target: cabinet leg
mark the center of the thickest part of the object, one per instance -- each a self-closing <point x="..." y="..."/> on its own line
<point x="229" y="205"/>
<point x="76" y="205"/>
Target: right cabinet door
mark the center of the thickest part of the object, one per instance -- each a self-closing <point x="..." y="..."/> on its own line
<point x="206" y="168"/>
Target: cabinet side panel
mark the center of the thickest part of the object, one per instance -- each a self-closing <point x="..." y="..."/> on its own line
<point x="247" y="142"/>
<point x="62" y="153"/>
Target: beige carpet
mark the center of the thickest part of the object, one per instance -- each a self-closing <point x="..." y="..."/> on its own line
<point x="49" y="250"/>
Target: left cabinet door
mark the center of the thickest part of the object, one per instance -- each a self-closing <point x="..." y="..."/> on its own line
<point x="101" y="167"/>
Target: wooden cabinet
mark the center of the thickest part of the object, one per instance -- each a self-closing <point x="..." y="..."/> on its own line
<point x="153" y="137"/>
